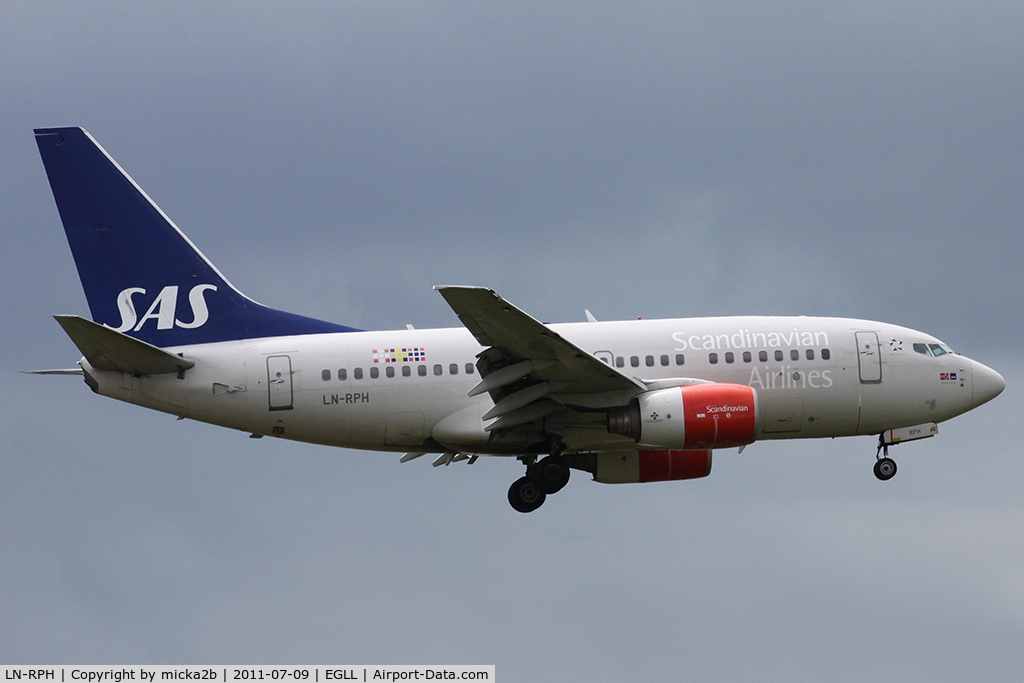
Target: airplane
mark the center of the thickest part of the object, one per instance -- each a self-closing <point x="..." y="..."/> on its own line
<point x="624" y="401"/>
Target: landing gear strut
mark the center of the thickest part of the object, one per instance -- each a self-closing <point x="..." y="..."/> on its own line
<point x="542" y="479"/>
<point x="551" y="474"/>
<point x="885" y="467"/>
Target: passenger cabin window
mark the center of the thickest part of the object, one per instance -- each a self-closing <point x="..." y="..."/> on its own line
<point x="326" y="375"/>
<point x="620" y="362"/>
<point x="421" y="370"/>
<point x="713" y="358"/>
<point x="406" y="371"/>
<point x="357" y="373"/>
<point x="778" y="355"/>
<point x="649" y="360"/>
<point x="469" y="368"/>
<point x="825" y="354"/>
<point x="664" y="360"/>
<point x="342" y="374"/>
<point x="746" y="357"/>
<point x="374" y="372"/>
<point x="794" y="355"/>
<point x="680" y="359"/>
<point x="390" y="371"/>
<point x="438" y="370"/>
<point x="810" y="354"/>
<point x="762" y="356"/>
<point x="634" y="361"/>
<point x="729" y="357"/>
<point x="453" y="369"/>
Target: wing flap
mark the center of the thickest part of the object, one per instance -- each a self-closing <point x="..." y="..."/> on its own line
<point x="107" y="349"/>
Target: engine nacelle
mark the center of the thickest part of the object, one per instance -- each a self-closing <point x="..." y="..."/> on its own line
<point x="693" y="417"/>
<point x="644" y="466"/>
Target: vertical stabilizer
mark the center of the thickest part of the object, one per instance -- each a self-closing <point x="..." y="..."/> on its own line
<point x="141" y="275"/>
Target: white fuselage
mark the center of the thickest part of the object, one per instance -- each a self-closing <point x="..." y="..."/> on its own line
<point x="401" y="390"/>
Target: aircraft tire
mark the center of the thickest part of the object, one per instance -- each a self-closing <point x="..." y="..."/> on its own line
<point x="525" y="496"/>
<point x="551" y="474"/>
<point x="885" y="469"/>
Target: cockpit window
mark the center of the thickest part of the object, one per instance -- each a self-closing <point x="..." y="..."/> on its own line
<point x="939" y="349"/>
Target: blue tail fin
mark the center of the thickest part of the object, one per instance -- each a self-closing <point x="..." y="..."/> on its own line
<point x="141" y="275"/>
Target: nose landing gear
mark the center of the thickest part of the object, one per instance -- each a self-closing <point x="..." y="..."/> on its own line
<point x="885" y="467"/>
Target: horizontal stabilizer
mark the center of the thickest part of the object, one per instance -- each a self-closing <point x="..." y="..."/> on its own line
<point x="59" y="371"/>
<point x="107" y="349"/>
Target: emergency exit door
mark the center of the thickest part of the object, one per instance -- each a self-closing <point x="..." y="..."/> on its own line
<point x="279" y="382"/>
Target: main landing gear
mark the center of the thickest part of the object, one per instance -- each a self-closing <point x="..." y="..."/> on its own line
<point x="548" y="476"/>
<point x="885" y="467"/>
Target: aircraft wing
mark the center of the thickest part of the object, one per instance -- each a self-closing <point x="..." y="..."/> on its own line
<point x="533" y="361"/>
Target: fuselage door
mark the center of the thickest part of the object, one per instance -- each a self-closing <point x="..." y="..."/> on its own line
<point x="869" y="358"/>
<point x="605" y="356"/>
<point x="279" y="378"/>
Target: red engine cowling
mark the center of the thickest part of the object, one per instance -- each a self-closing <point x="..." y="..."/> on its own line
<point x="645" y="466"/>
<point x="673" y="465"/>
<point x="698" y="416"/>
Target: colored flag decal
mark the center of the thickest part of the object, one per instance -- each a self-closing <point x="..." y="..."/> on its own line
<point x="947" y="376"/>
<point x="410" y="355"/>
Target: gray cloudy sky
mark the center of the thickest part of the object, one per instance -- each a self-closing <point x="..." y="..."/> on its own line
<point x="862" y="159"/>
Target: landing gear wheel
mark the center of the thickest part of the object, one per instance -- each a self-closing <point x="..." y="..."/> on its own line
<point x="524" y="495"/>
<point x="551" y="474"/>
<point x="885" y="469"/>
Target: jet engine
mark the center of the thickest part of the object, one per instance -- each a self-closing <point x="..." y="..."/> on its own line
<point x="693" y="417"/>
<point x="642" y="466"/>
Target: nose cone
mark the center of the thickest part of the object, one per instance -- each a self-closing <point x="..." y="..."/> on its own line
<point x="987" y="384"/>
